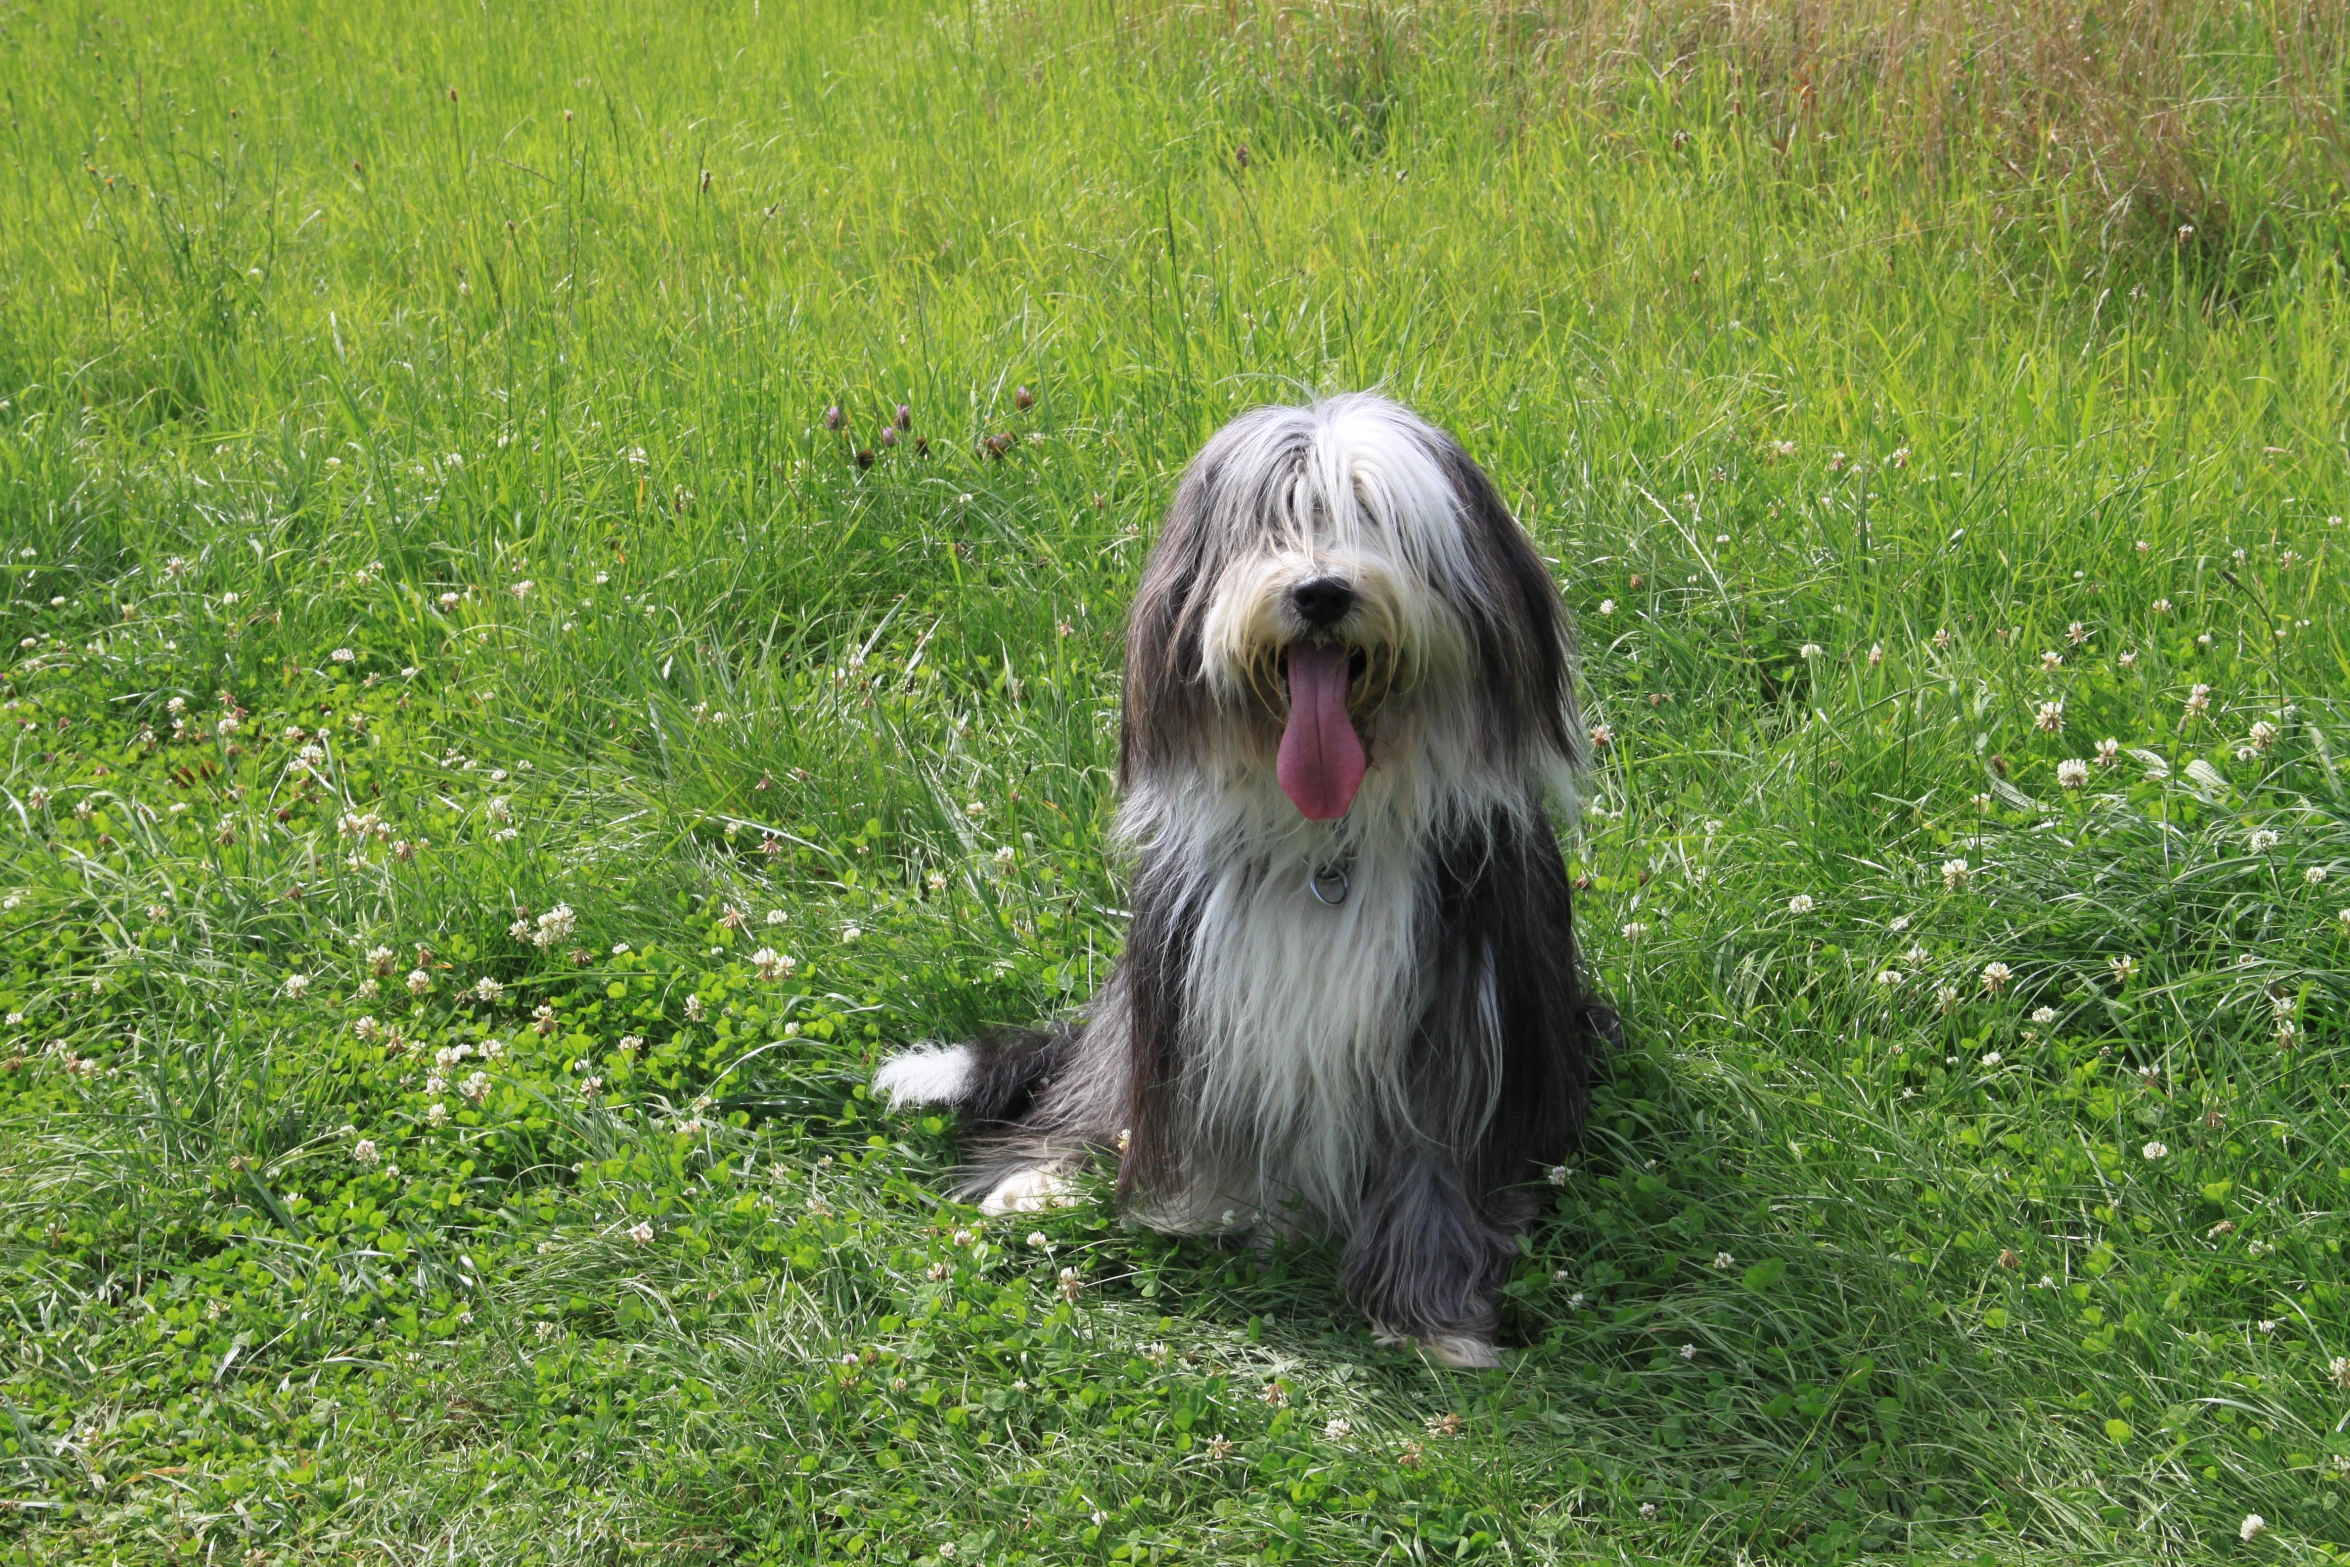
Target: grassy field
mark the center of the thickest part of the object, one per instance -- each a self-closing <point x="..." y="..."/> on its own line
<point x="491" y="768"/>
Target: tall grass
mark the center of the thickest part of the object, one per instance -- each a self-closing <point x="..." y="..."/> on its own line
<point x="1849" y="362"/>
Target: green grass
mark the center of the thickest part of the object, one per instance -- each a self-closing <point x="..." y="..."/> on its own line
<point x="312" y="317"/>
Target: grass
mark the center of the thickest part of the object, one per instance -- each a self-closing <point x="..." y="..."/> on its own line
<point x="420" y="1141"/>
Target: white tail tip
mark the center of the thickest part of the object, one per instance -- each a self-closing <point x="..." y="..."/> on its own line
<point x="927" y="1077"/>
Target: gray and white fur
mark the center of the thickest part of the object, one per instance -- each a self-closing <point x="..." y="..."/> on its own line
<point x="1372" y="1024"/>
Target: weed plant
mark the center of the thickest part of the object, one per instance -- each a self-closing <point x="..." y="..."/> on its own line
<point x="563" y="571"/>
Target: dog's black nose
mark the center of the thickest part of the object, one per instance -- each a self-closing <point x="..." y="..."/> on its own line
<point x="1325" y="601"/>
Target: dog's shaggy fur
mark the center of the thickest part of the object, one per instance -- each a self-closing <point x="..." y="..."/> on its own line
<point x="1349" y="997"/>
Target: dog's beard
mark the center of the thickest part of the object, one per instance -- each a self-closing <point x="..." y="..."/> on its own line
<point x="1321" y="693"/>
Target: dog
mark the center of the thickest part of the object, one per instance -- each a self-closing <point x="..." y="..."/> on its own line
<point x="1349" y="998"/>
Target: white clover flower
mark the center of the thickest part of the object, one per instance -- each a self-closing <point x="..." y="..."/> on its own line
<point x="2044" y="1015"/>
<point x="1635" y="930"/>
<point x="1917" y="955"/>
<point x="488" y="990"/>
<point x="2198" y="701"/>
<point x="1876" y="654"/>
<point x="1996" y="976"/>
<point x="641" y="1233"/>
<point x="2050" y="718"/>
<point x="418" y="982"/>
<point x="1689" y="1352"/>
<point x="2153" y="1151"/>
<point x="2124" y="968"/>
<point x="1810" y="650"/>
<point x="1992" y="1058"/>
<point x="2314" y="875"/>
<point x="1607" y="607"/>
<point x="2073" y="773"/>
<point x="555" y="926"/>
<point x="777" y="917"/>
<point x="630" y="1044"/>
<point x="1800" y="904"/>
<point x="2050" y="660"/>
<point x="499" y="810"/>
<point x="696" y="1009"/>
<point x="590" y="1087"/>
<point x="773" y="965"/>
<point x="2263" y="735"/>
<point x="225" y="728"/>
<point x="1723" y="1259"/>
<point x="295" y="987"/>
<point x="363" y="1152"/>
<point x="1603" y="736"/>
<point x="1558" y="1174"/>
<point x="2262" y="840"/>
<point x="2252" y="1528"/>
<point x="1337" y="1430"/>
<point x="343" y="655"/>
<point x="1955" y="874"/>
<point x="476" y="1087"/>
<point x="851" y="932"/>
<point x="1889" y="977"/>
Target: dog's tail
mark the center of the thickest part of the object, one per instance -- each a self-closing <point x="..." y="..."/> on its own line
<point x="995" y="1077"/>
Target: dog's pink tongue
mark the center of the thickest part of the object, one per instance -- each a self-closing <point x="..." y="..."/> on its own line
<point x="1321" y="761"/>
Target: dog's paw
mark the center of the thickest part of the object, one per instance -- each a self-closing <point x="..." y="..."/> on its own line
<point x="1028" y="1191"/>
<point x="927" y="1077"/>
<point x="1461" y="1351"/>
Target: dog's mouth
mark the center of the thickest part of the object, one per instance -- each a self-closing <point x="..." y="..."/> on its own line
<point x="1321" y="761"/>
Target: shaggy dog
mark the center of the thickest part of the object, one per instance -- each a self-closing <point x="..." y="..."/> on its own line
<point x="1349" y="996"/>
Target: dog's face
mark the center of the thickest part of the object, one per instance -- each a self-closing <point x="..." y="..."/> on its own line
<point x="1326" y="576"/>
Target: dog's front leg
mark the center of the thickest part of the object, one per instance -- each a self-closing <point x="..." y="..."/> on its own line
<point x="1424" y="1262"/>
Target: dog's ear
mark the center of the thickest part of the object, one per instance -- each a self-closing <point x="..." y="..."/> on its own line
<point x="1519" y="630"/>
<point x="1166" y="688"/>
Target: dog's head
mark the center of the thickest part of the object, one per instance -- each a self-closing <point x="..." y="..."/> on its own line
<point x="1329" y="579"/>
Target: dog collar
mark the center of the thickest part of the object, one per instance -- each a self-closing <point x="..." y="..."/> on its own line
<point x="1328" y="884"/>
